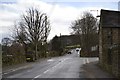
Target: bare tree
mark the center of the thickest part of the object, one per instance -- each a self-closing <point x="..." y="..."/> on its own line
<point x="33" y="28"/>
<point x="87" y="27"/>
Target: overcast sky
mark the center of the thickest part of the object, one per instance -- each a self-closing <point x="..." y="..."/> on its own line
<point x="61" y="12"/>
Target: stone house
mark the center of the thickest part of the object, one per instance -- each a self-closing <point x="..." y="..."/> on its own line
<point x="70" y="40"/>
<point x="109" y="41"/>
<point x="62" y="41"/>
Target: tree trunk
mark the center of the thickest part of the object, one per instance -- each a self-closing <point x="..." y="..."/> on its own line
<point x="36" y="54"/>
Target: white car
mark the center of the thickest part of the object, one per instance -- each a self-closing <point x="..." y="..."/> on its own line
<point x="78" y="49"/>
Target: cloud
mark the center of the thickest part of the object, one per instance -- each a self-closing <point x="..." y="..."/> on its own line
<point x="60" y="16"/>
<point x="81" y="0"/>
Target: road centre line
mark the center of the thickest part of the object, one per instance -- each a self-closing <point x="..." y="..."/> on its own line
<point x="36" y="77"/>
<point x="46" y="71"/>
<point x="54" y="66"/>
<point x="50" y="69"/>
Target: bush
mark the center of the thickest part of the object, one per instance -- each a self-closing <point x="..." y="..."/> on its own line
<point x="16" y="55"/>
<point x="52" y="54"/>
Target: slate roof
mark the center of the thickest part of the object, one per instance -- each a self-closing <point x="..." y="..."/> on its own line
<point x="110" y="19"/>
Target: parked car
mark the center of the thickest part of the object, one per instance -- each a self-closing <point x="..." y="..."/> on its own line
<point x="69" y="52"/>
<point x="30" y="56"/>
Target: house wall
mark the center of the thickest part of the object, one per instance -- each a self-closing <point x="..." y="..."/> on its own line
<point x="100" y="46"/>
<point x="119" y="54"/>
<point x="69" y="40"/>
<point x="109" y="41"/>
<point x="115" y="60"/>
<point x="109" y="51"/>
<point x="106" y="53"/>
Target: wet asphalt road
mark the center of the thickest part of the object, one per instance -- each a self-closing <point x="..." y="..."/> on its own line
<point x="67" y="66"/>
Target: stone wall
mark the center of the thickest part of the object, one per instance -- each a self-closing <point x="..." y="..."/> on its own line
<point x="119" y="54"/>
<point x="109" y="43"/>
<point x="110" y="54"/>
<point x="115" y="51"/>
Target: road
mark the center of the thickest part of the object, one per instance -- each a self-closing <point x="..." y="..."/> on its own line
<point x="67" y="66"/>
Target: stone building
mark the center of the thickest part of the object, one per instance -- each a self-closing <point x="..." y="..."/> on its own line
<point x="62" y="41"/>
<point x="70" y="40"/>
<point x="109" y="41"/>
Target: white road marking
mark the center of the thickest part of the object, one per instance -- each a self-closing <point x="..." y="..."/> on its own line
<point x="50" y="60"/>
<point x="46" y="71"/>
<point x="50" y="68"/>
<point x="56" y="65"/>
<point x="4" y="73"/>
<point x="36" y="77"/>
<point x="87" y="60"/>
<point x="83" y="61"/>
<point x="97" y="59"/>
<point x="13" y="70"/>
<point x="28" y="71"/>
